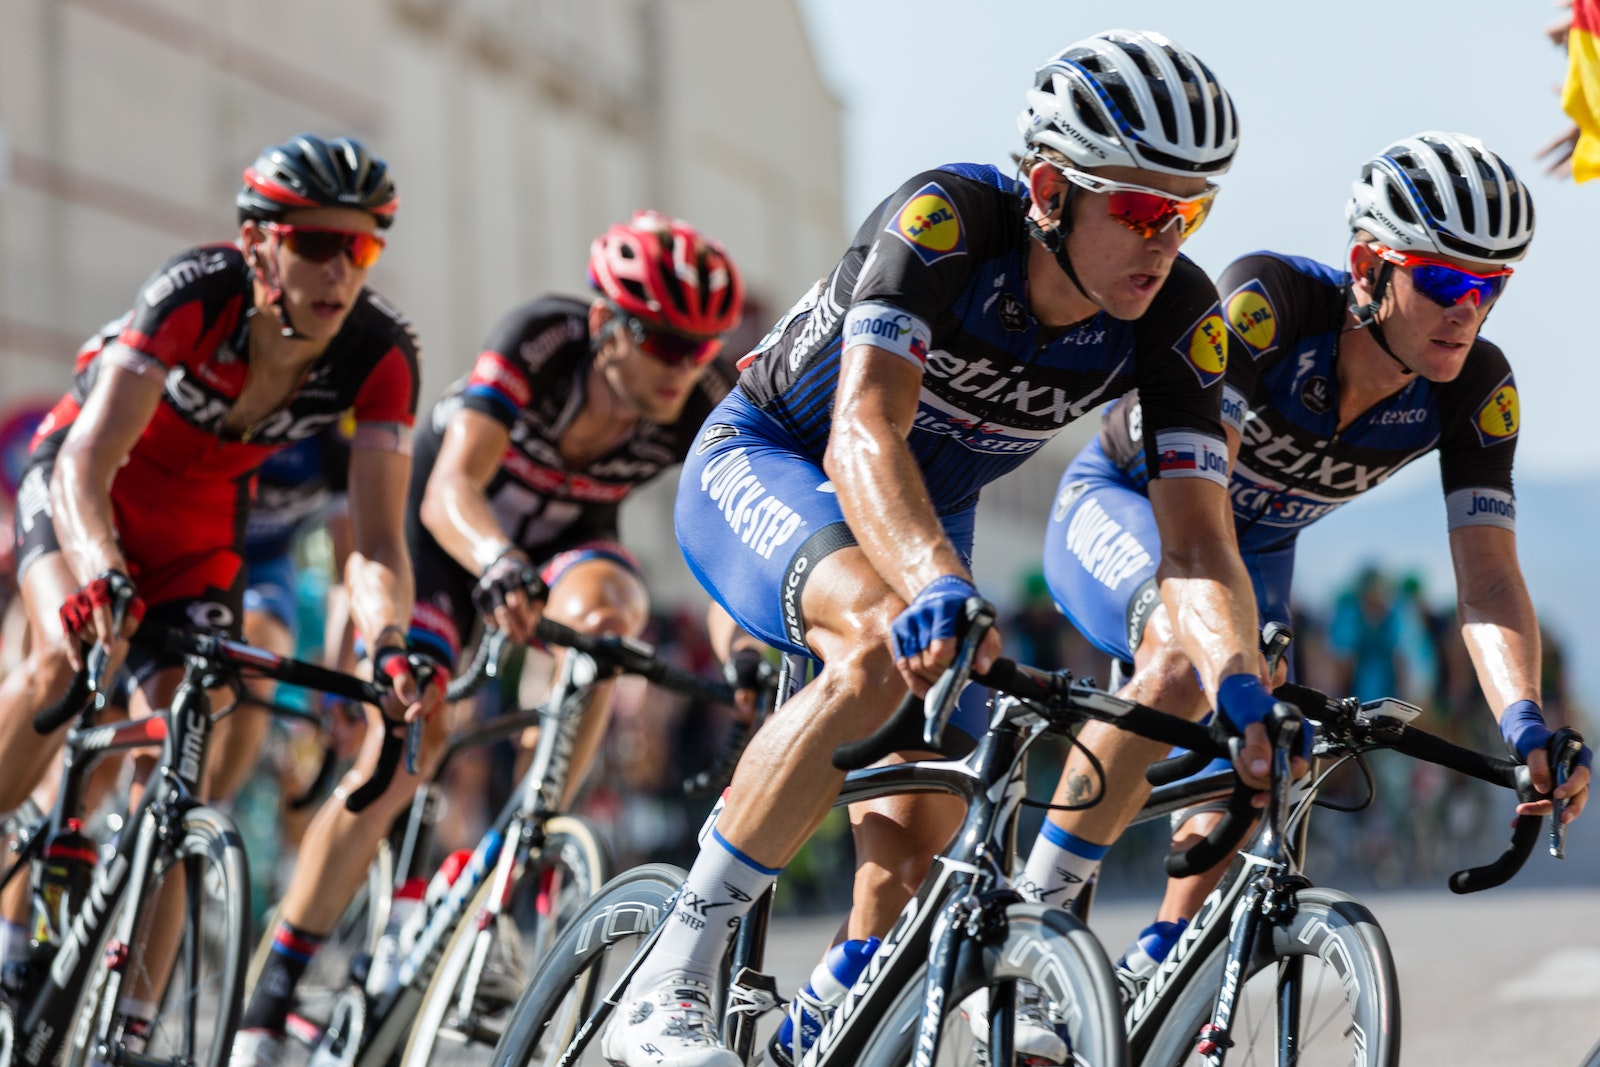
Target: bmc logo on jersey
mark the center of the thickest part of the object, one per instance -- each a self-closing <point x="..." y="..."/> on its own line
<point x="1252" y="318"/>
<point x="929" y="224"/>
<point x="1205" y="346"/>
<point x="1500" y="415"/>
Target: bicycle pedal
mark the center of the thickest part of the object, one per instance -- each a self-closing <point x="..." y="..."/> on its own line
<point x="753" y="993"/>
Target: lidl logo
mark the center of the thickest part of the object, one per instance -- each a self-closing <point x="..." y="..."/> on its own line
<point x="1206" y="347"/>
<point x="1251" y="316"/>
<point x="929" y="224"/>
<point x="1500" y="415"/>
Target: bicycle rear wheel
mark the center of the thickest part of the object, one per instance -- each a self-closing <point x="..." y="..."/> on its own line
<point x="582" y="965"/>
<point x="1043" y="945"/>
<point x="199" y="1010"/>
<point x="1330" y="964"/>
<point x="490" y="959"/>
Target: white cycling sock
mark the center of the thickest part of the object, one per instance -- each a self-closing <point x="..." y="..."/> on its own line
<point x="1059" y="866"/>
<point x="722" y="887"/>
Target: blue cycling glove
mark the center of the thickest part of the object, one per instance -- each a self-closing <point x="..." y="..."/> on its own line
<point x="1522" y="725"/>
<point x="1244" y="701"/>
<point x="934" y="614"/>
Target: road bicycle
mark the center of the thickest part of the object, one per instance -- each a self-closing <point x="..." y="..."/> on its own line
<point x="1326" y="989"/>
<point x="98" y="917"/>
<point x="965" y="928"/>
<point x="478" y="939"/>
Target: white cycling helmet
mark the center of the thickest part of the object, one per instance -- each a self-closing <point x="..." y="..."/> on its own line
<point x="1445" y="194"/>
<point x="1126" y="98"/>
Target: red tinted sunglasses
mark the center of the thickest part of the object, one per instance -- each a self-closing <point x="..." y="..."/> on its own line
<point x="670" y="348"/>
<point x="1146" y="211"/>
<point x="1447" y="284"/>
<point x="319" y="244"/>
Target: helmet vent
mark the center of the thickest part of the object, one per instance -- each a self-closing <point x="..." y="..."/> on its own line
<point x="1088" y="110"/>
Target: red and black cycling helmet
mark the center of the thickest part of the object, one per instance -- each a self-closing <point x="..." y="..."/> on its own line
<point x="308" y="171"/>
<point x="663" y="272"/>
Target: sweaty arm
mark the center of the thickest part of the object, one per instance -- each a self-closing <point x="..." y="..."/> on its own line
<point x="880" y="487"/>
<point x="378" y="572"/>
<point x="1204" y="584"/>
<point x="455" y="508"/>
<point x="114" y="415"/>
<point x="1498" y="622"/>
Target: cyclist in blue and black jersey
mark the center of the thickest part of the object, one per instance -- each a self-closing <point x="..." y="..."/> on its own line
<point x="828" y="504"/>
<point x="1338" y="379"/>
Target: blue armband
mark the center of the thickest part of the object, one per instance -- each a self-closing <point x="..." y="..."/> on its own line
<point x="1522" y="725"/>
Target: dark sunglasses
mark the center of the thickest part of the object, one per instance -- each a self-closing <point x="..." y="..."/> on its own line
<point x="1446" y="284"/>
<point x="319" y="244"/>
<point x="670" y="348"/>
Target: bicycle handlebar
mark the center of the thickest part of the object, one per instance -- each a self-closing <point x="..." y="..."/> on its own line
<point x="222" y="652"/>
<point x="1430" y="748"/>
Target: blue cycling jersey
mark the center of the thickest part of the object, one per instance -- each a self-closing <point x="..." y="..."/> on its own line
<point x="1281" y="394"/>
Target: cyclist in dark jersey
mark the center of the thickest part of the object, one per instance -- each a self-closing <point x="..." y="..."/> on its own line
<point x="828" y="504"/>
<point x="571" y="405"/>
<point x="1338" y="380"/>
<point x="140" y="477"/>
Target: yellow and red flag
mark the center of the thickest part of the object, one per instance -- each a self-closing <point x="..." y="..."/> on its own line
<point x="1580" y="98"/>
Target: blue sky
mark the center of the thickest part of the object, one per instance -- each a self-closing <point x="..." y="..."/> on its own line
<point x="1319" y="88"/>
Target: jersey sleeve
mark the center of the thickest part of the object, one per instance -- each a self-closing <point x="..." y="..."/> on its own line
<point x="917" y="262"/>
<point x="385" y="407"/>
<point x="1481" y="416"/>
<point x="501" y="384"/>
<point x="1180" y="356"/>
<point x="1260" y="293"/>
<point x="170" y="312"/>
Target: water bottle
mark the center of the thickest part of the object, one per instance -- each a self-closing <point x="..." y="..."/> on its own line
<point x="65" y="873"/>
<point x="815" y="1003"/>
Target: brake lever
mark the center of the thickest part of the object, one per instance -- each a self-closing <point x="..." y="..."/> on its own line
<point x="940" y="703"/>
<point x="1564" y="748"/>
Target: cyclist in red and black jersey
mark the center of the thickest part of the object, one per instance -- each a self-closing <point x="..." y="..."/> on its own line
<point x="570" y="406"/>
<point x="141" y="476"/>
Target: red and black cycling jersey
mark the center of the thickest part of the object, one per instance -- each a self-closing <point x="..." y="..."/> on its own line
<point x="183" y="492"/>
<point x="938" y="275"/>
<point x="1282" y="395"/>
<point x="532" y="377"/>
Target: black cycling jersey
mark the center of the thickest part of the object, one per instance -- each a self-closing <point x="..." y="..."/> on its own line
<point x="1281" y="394"/>
<point x="532" y="376"/>
<point x="937" y="274"/>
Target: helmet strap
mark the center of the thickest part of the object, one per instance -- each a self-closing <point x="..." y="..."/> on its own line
<point x="275" y="294"/>
<point x="1366" y="315"/>
<point x="1055" y="241"/>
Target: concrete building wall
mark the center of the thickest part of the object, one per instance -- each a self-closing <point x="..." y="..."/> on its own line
<point x="518" y="129"/>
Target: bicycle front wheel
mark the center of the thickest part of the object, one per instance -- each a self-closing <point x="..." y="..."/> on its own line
<point x="493" y="952"/>
<point x="582" y="966"/>
<point x="202" y="882"/>
<point x="1046" y="946"/>
<point x="1321" y="993"/>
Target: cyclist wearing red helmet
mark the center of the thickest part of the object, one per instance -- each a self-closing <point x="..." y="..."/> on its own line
<point x="141" y="474"/>
<point x="570" y="406"/>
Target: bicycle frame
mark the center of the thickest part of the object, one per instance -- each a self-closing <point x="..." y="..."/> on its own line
<point x="520" y="823"/>
<point x="184" y="732"/>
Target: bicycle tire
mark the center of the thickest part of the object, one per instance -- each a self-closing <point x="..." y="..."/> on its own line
<point x="458" y="1025"/>
<point x="574" y="974"/>
<point x="357" y="931"/>
<point x="216" y="926"/>
<point x="1044" y="945"/>
<point x="1327" y="927"/>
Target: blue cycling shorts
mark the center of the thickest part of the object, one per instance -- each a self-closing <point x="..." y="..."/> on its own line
<point x="1101" y="549"/>
<point x="755" y="515"/>
<point x="270" y="589"/>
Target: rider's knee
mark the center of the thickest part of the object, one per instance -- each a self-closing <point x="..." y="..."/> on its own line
<point x="48" y="670"/>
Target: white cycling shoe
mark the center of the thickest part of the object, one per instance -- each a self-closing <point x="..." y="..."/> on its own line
<point x="256" y="1048"/>
<point x="670" y="1026"/>
<point x="1034" y="1038"/>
